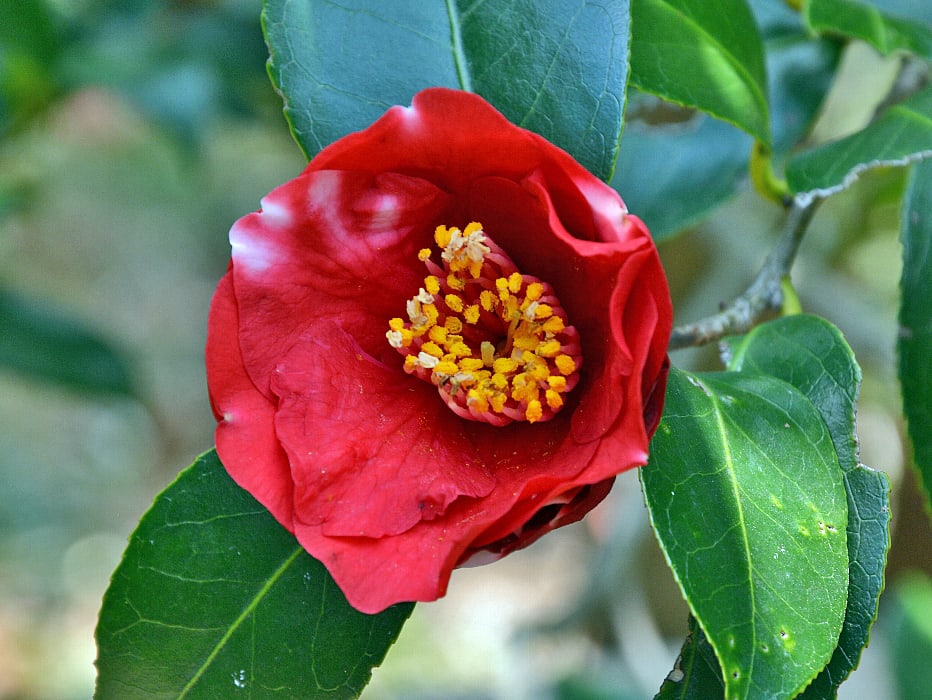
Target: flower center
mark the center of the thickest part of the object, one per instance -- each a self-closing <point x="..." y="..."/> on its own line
<point x="495" y="343"/>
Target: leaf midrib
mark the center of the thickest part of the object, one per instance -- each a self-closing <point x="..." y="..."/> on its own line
<point x="247" y="611"/>
<point x="730" y="469"/>
<point x="456" y="44"/>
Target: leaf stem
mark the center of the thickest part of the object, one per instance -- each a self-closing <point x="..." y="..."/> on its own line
<point x="764" y="294"/>
<point x="764" y="179"/>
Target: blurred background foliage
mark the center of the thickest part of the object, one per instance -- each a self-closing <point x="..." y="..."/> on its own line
<point x="132" y="134"/>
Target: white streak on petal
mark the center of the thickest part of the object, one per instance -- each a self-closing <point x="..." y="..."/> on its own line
<point x="253" y="253"/>
<point x="385" y="213"/>
<point x="604" y="201"/>
<point x="323" y="195"/>
<point x="274" y="214"/>
<point x="410" y="117"/>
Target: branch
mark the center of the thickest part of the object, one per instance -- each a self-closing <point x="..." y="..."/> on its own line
<point x="765" y="293"/>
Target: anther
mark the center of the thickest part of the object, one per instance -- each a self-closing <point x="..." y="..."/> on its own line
<point x="519" y="357"/>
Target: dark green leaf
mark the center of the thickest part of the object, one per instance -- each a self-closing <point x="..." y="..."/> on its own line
<point x="901" y="135"/>
<point x="800" y="72"/>
<point x="702" y="54"/>
<point x="912" y="637"/>
<point x="747" y="498"/>
<point x="859" y="20"/>
<point x="27" y="27"/>
<point x="46" y="343"/>
<point x="213" y="597"/>
<point x="812" y="355"/>
<point x="696" y="675"/>
<point x="914" y="348"/>
<point x="557" y="68"/>
<point x="673" y="175"/>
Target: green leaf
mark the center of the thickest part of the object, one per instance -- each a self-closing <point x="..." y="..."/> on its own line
<point x="30" y="41"/>
<point x="557" y="68"/>
<point x="696" y="675"/>
<point x="698" y="164"/>
<point x="911" y="633"/>
<point x="859" y="20"/>
<point x="747" y="499"/>
<point x="702" y="54"/>
<point x="901" y="135"/>
<point x="44" y="342"/>
<point x="914" y="347"/>
<point x="811" y="354"/>
<point x="213" y="598"/>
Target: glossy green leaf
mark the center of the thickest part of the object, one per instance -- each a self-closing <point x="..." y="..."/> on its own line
<point x="46" y="343"/>
<point x="914" y="347"/>
<point x="861" y="20"/>
<point x="214" y="598"/>
<point x="694" y="166"/>
<point x="707" y="55"/>
<point x="911" y="633"/>
<point x="696" y="674"/>
<point x="557" y="68"/>
<point x="901" y="135"/>
<point x="748" y="502"/>
<point x="811" y="354"/>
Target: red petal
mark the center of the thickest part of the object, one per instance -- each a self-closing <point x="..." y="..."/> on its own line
<point x="373" y="450"/>
<point x="246" y="440"/>
<point x="391" y="489"/>
<point x="375" y="573"/>
<point x="329" y="245"/>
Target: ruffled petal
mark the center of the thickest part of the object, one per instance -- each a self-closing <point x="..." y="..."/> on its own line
<point x="329" y="245"/>
<point x="373" y="450"/>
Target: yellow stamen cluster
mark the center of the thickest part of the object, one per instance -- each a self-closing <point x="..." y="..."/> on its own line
<point x="495" y="342"/>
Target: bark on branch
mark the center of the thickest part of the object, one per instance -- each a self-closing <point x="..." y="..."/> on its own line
<point x="765" y="294"/>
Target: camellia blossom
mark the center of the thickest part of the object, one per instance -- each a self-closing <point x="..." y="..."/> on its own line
<point x="439" y="342"/>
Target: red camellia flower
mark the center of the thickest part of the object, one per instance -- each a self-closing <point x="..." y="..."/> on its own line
<point x="440" y="341"/>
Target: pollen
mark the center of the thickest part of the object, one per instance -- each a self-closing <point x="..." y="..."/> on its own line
<point x="432" y="284"/>
<point x="496" y="343"/>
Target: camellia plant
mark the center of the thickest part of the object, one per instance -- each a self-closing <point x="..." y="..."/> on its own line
<point x="449" y="333"/>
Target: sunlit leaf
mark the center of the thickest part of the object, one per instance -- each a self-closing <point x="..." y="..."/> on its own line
<point x="914" y="347"/>
<point x="214" y="598"/>
<point x="862" y="20"/>
<point x="557" y="68"/>
<point x="30" y="40"/>
<point x="707" y="55"/>
<point x="811" y="354"/>
<point x="747" y="499"/>
<point x="901" y="135"/>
